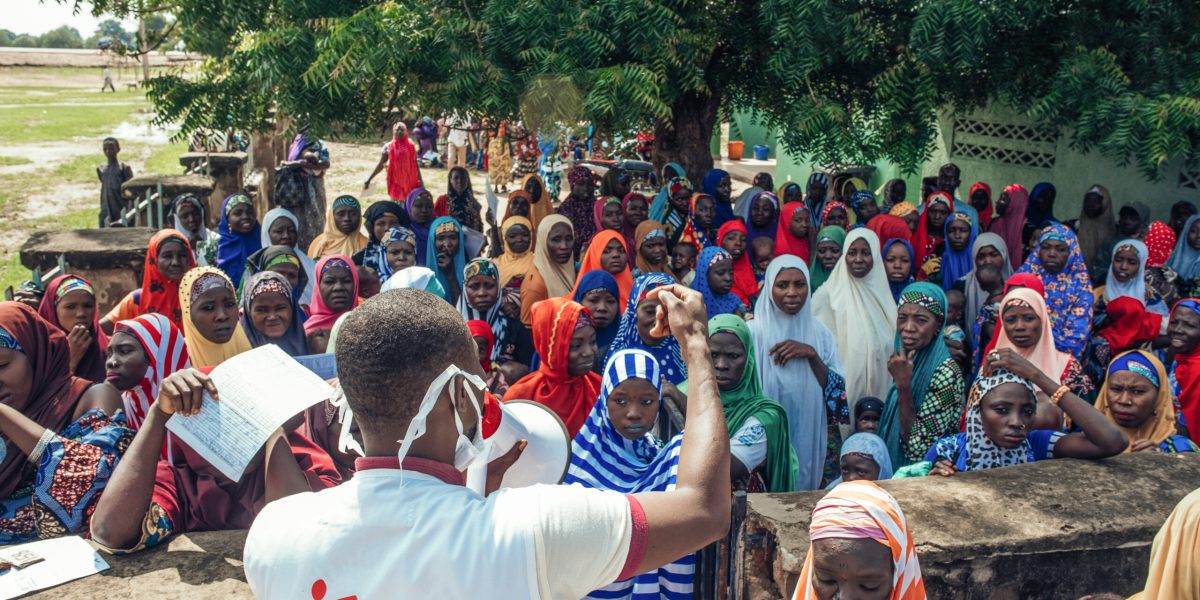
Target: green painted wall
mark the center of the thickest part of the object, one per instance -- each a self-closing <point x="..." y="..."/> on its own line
<point x="996" y="147"/>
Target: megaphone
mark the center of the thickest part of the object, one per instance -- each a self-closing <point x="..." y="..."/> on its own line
<point x="544" y="460"/>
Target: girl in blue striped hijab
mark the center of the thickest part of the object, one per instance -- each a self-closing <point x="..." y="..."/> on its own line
<point x="616" y="450"/>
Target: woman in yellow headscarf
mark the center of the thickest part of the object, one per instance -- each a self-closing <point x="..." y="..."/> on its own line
<point x="343" y="230"/>
<point x="1175" y="554"/>
<point x="211" y="326"/>
<point x="1137" y="398"/>
<point x="516" y="235"/>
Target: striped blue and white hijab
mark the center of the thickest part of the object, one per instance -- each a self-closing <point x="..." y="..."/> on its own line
<point x="602" y="458"/>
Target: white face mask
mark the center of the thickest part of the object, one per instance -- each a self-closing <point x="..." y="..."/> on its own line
<point x="467" y="451"/>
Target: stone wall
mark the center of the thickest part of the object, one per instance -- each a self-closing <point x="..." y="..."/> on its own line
<point x="1054" y="529"/>
<point x="110" y="259"/>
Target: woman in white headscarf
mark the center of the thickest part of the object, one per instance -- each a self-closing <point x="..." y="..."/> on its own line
<point x="800" y="368"/>
<point x="1130" y="252"/>
<point x="279" y="237"/>
<point x="987" y="247"/>
<point x="856" y="304"/>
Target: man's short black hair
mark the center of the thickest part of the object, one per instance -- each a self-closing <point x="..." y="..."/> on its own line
<point x="111" y="139"/>
<point x="392" y="347"/>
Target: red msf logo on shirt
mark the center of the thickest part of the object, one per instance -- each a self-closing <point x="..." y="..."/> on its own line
<point x="319" y="588"/>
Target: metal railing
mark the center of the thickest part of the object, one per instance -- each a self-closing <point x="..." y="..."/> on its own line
<point x="151" y="206"/>
<point x="40" y="279"/>
<point x="715" y="563"/>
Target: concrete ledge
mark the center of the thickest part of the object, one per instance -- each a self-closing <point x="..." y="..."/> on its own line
<point x="193" y="565"/>
<point x="111" y="259"/>
<point x="1054" y="529"/>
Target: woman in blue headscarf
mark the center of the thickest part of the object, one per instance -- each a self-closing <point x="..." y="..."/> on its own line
<point x="617" y="450"/>
<point x="714" y="280"/>
<point x="1041" y="205"/>
<point x="240" y="235"/>
<point x="925" y="401"/>
<point x="637" y="323"/>
<point x="446" y="255"/>
<point x="597" y="291"/>
<point x="658" y="208"/>
<point x="719" y="185"/>
<point x="960" y="232"/>
<point x="1058" y="262"/>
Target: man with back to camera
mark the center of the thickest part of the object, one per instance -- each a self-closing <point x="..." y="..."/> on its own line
<point x="416" y="531"/>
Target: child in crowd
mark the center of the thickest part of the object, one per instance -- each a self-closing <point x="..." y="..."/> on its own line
<point x="864" y="457"/>
<point x="867" y="413"/>
<point x="762" y="252"/>
<point x="112" y="174"/>
<point x="683" y="263"/>
<point x="955" y="304"/>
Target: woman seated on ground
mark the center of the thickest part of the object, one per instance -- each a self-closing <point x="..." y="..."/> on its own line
<point x="1137" y="397"/>
<point x="925" y="400"/>
<point x="637" y="326"/>
<point x="271" y="314"/>
<point x="597" y="291"/>
<point x="860" y="541"/>
<point x="864" y="458"/>
<point x="1000" y="418"/>
<point x="62" y="435"/>
<point x="447" y="256"/>
<point x="483" y="300"/>
<point x="1026" y="329"/>
<point x="606" y="252"/>
<point x="211" y="325"/>
<point x="336" y="293"/>
<point x="616" y="450"/>
<point x="283" y="260"/>
<point x="380" y="218"/>
<point x="167" y="259"/>
<point x="343" y="230"/>
<point x="153" y="498"/>
<point x="69" y="303"/>
<point x="763" y="459"/>
<point x="281" y="228"/>
<point x="714" y="279"/>
<point x="553" y="272"/>
<point x="565" y="339"/>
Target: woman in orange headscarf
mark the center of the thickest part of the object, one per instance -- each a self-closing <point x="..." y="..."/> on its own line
<point x="168" y="257"/>
<point x="604" y="253"/>
<point x="863" y="517"/>
<point x="565" y="339"/>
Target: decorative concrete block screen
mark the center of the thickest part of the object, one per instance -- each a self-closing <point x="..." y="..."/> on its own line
<point x="1007" y="143"/>
<point x="1189" y="178"/>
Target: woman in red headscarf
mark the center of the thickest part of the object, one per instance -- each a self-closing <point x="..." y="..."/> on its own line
<point x="565" y="339"/>
<point x="795" y="232"/>
<point x="980" y="198"/>
<point x="70" y="304"/>
<point x="607" y="252"/>
<point x="400" y="158"/>
<point x="732" y="237"/>
<point x="929" y="241"/>
<point x="889" y="227"/>
<point x="1010" y="221"/>
<point x="168" y="257"/>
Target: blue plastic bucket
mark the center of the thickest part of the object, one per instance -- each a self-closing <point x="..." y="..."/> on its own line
<point x="762" y="152"/>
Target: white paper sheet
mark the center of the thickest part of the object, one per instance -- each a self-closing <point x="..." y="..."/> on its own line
<point x="66" y="559"/>
<point x="258" y="391"/>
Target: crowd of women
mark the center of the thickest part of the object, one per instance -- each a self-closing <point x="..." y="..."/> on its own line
<point x="856" y="336"/>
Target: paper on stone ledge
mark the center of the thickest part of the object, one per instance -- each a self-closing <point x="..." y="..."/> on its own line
<point x="66" y="559"/>
<point x="259" y="390"/>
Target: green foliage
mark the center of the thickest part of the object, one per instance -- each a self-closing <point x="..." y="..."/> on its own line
<point x="838" y="80"/>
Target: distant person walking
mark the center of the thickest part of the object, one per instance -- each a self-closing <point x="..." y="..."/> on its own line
<point x="112" y="174"/>
<point x="400" y="159"/>
<point x="108" y="83"/>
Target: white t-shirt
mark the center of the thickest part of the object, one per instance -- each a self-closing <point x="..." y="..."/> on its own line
<point x="749" y="444"/>
<point x="458" y="130"/>
<point x="388" y="533"/>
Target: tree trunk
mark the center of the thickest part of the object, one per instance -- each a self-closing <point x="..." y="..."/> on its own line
<point x="686" y="138"/>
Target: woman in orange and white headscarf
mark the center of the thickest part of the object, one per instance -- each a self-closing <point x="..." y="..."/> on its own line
<point x="860" y="521"/>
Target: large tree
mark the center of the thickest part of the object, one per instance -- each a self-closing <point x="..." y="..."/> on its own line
<point x="839" y="81"/>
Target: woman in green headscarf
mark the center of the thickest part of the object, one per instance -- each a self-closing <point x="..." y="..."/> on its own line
<point x="759" y="443"/>
<point x="926" y="398"/>
<point x="829" y="251"/>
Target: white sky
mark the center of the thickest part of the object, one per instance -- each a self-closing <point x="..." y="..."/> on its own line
<point x="37" y="17"/>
